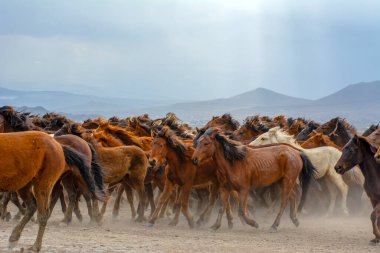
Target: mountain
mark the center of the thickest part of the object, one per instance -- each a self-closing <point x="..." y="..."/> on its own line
<point x="360" y="93"/>
<point x="59" y="101"/>
<point x="258" y="97"/>
<point x="357" y="102"/>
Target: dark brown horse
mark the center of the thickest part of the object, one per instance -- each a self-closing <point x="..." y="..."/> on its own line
<point x="358" y="151"/>
<point x="180" y="171"/>
<point x="247" y="132"/>
<point x="242" y="167"/>
<point x="31" y="164"/>
<point x="338" y="130"/>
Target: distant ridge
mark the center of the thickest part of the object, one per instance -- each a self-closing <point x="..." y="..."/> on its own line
<point x="363" y="93"/>
<point x="358" y="103"/>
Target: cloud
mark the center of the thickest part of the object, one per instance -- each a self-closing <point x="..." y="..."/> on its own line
<point x="209" y="49"/>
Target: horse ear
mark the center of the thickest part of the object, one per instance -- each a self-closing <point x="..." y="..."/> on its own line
<point x="197" y="129"/>
<point x="153" y="133"/>
<point x="373" y="149"/>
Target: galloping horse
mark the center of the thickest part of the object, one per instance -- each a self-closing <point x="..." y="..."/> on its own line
<point x="323" y="159"/>
<point x="241" y="167"/>
<point x="14" y="121"/>
<point x="358" y="151"/>
<point x="31" y="164"/>
<point x="354" y="178"/>
<point x="168" y="148"/>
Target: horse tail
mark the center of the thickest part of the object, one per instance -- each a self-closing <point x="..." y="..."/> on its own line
<point x="96" y="170"/>
<point x="307" y="173"/>
<point x="74" y="158"/>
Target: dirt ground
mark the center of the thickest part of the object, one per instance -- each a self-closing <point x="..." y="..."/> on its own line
<point x="315" y="234"/>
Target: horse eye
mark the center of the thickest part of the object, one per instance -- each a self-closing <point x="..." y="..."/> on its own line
<point x="206" y="144"/>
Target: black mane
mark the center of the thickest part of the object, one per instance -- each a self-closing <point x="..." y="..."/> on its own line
<point x="232" y="150"/>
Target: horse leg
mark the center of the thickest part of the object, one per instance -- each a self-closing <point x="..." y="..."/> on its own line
<point x="161" y="201"/>
<point x="56" y="192"/>
<point x="21" y="210"/>
<point x="139" y="186"/>
<point x="177" y="206"/>
<point x="205" y="215"/>
<point x="27" y="196"/>
<point x="293" y="209"/>
<point x="229" y="214"/>
<point x="3" y="205"/>
<point x="343" y="189"/>
<point x="243" y="196"/>
<point x="116" y="205"/>
<point x="287" y="188"/>
<point x="224" y="195"/>
<point x="375" y="215"/>
<point x="68" y="183"/>
<point x="150" y="195"/>
<point x="185" y="194"/>
<point x="90" y="209"/>
<point x="63" y="202"/>
<point x="333" y="196"/>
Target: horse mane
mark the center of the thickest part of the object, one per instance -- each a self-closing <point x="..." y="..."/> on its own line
<point x="366" y="143"/>
<point x="277" y="130"/>
<point x="280" y="120"/>
<point x="173" y="141"/>
<point x="125" y="136"/>
<point x="251" y="121"/>
<point x="232" y="149"/>
<point x="370" y="130"/>
<point x="18" y="121"/>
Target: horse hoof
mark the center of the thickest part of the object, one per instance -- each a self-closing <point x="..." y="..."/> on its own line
<point x="12" y="245"/>
<point x="191" y="224"/>
<point x="296" y="222"/>
<point x="150" y="224"/>
<point x="215" y="227"/>
<point x="230" y="225"/>
<point x="199" y="223"/>
<point x="33" y="249"/>
<point x="375" y="242"/>
<point x="8" y="216"/>
<point x="272" y="230"/>
<point x="173" y="223"/>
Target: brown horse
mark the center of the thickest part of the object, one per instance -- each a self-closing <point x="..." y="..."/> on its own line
<point x="123" y="164"/>
<point x="242" y="167"/>
<point x="127" y="137"/>
<point x="180" y="171"/>
<point x="31" y="164"/>
<point x="374" y="138"/>
<point x="225" y="122"/>
<point x="15" y="122"/>
<point x="319" y="140"/>
<point x="338" y="130"/>
<point x="358" y="151"/>
<point x="247" y="132"/>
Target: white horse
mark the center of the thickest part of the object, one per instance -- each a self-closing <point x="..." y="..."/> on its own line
<point x="323" y="159"/>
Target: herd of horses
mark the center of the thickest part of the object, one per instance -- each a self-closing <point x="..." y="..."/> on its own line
<point x="175" y="168"/>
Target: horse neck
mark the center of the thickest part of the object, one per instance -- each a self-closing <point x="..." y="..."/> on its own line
<point x="221" y="162"/>
<point x="173" y="158"/>
<point x="292" y="142"/>
<point x="369" y="167"/>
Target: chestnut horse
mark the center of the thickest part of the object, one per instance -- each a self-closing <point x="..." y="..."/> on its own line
<point x="241" y="167"/>
<point x="249" y="131"/>
<point x="123" y="164"/>
<point x="31" y="164"/>
<point x="15" y="122"/>
<point x="323" y="159"/>
<point x="358" y="151"/>
<point x="180" y="171"/>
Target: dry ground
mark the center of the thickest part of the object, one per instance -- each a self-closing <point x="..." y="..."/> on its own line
<point x="315" y="234"/>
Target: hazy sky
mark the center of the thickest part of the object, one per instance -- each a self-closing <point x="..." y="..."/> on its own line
<point x="188" y="49"/>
